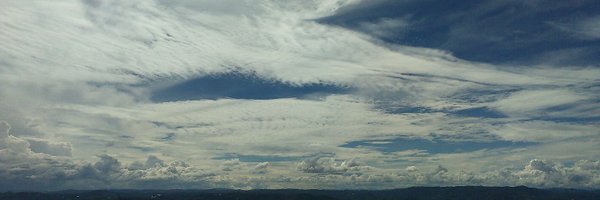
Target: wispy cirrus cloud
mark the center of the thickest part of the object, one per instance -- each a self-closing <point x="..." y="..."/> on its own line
<point x="250" y="94"/>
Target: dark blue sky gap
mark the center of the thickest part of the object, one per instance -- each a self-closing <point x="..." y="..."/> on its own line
<point x="485" y="31"/>
<point x="434" y="146"/>
<point x="237" y="85"/>
<point x="394" y="106"/>
<point x="483" y="95"/>
<point x="479" y="112"/>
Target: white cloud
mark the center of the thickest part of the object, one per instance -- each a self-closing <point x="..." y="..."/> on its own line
<point x="261" y="168"/>
<point x="589" y="28"/>
<point x="386" y="27"/>
<point x="534" y="101"/>
<point x="586" y="29"/>
<point x="53" y="172"/>
<point x="23" y="169"/>
<point x="544" y="131"/>
<point x="329" y="165"/>
<point x="412" y="168"/>
<point x="77" y="76"/>
<point x="262" y="165"/>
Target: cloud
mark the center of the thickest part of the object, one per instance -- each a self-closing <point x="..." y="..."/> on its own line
<point x="53" y="173"/>
<point x="412" y="169"/>
<point x="585" y="29"/>
<point x="10" y="144"/>
<point x="536" y="173"/>
<point x="107" y="164"/>
<point x="544" y="131"/>
<point x="151" y="162"/>
<point x="231" y="165"/>
<point x="544" y="173"/>
<point x="262" y="165"/>
<point x="4" y="129"/>
<point x="49" y="147"/>
<point x="589" y="28"/>
<point x="262" y="168"/>
<point x="386" y="27"/>
<point x="24" y="169"/>
<point x="43" y="170"/>
<point x="524" y="102"/>
<point x="329" y="165"/>
<point x="227" y="7"/>
<point x="81" y="81"/>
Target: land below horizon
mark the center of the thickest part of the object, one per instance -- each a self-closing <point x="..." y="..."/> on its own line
<point x="416" y="193"/>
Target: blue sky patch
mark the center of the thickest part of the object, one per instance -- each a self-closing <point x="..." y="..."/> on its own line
<point x="493" y="31"/>
<point x="433" y="146"/>
<point x="489" y="94"/>
<point x="481" y="112"/>
<point x="237" y="85"/>
<point x="402" y="109"/>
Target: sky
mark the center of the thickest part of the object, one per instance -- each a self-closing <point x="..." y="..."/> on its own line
<point x="306" y="94"/>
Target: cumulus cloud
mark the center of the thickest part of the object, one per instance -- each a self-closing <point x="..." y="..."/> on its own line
<point x="262" y="165"/>
<point x="329" y="165"/>
<point x="23" y="169"/>
<point x="261" y="168"/>
<point x="536" y="173"/>
<point x="11" y="145"/>
<point x="20" y="166"/>
<point x="412" y="169"/>
<point x="542" y="173"/>
<point x="231" y="165"/>
<point x="50" y="147"/>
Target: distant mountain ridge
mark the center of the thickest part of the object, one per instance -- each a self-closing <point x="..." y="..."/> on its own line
<point x="413" y="193"/>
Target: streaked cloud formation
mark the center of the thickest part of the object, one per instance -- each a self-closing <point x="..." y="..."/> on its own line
<point x="102" y="94"/>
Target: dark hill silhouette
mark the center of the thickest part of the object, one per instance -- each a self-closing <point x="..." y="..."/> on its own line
<point x="414" y="193"/>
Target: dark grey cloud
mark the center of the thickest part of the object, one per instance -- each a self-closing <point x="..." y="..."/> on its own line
<point x="107" y="164"/>
<point x="151" y="162"/>
<point x="4" y="129"/>
<point x="52" y="148"/>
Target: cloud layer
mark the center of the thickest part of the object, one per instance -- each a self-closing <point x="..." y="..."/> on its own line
<point x="23" y="169"/>
<point x="269" y="94"/>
